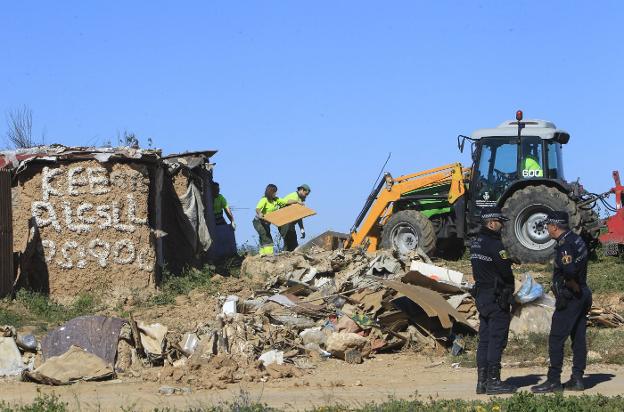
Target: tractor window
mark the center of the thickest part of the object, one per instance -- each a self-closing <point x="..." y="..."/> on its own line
<point x="497" y="170"/>
<point x="531" y="162"/>
<point x="555" y="167"/>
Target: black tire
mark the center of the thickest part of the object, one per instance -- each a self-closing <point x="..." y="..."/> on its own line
<point x="590" y="228"/>
<point x="406" y="230"/>
<point x="524" y="238"/>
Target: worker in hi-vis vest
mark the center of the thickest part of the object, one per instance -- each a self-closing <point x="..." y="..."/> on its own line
<point x="531" y="165"/>
<point x="288" y="230"/>
<point x="269" y="203"/>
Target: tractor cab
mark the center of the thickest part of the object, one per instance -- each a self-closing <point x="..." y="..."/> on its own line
<point x="518" y="166"/>
<point x="511" y="153"/>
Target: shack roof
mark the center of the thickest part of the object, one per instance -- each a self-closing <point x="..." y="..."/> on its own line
<point x="18" y="159"/>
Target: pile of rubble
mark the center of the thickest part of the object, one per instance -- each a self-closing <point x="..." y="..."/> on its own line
<point x="313" y="305"/>
<point x="341" y="304"/>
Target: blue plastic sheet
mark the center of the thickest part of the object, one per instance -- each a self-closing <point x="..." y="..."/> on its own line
<point x="529" y="291"/>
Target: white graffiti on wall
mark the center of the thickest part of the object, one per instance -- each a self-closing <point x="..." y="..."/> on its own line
<point x="84" y="218"/>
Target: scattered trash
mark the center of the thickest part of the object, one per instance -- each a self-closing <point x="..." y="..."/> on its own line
<point x="230" y="305"/>
<point x="533" y="317"/>
<point x="340" y="343"/>
<point x="95" y="334"/>
<point x="10" y="357"/>
<point x="152" y="338"/>
<point x="7" y="331"/>
<point x="529" y="291"/>
<point x="26" y="342"/>
<point x="604" y="317"/>
<point x="344" y="304"/>
<point x="170" y="390"/>
<point x="74" y="365"/>
<point x="313" y="335"/>
<point x="437" y="273"/>
<point x="432" y="303"/>
<point x="189" y="343"/>
<point x="383" y="264"/>
<point x="271" y="357"/>
<point x="458" y="345"/>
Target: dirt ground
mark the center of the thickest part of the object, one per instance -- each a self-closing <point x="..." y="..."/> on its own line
<point x="402" y="376"/>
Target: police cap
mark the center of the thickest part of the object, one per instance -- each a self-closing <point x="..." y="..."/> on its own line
<point x="489" y="213"/>
<point x="556" y="217"/>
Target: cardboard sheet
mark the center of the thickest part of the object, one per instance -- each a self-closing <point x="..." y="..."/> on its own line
<point x="288" y="214"/>
<point x="74" y="365"/>
<point x="431" y="302"/>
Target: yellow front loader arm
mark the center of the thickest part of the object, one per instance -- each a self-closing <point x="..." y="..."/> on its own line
<point x="366" y="230"/>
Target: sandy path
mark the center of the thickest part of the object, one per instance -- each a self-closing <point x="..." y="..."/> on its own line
<point x="400" y="376"/>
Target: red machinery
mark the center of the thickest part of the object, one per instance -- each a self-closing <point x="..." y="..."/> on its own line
<point x="613" y="239"/>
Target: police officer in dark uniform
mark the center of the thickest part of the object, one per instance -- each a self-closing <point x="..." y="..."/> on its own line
<point x="493" y="292"/>
<point x="573" y="301"/>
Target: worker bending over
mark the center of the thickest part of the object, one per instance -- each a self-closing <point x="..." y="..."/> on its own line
<point x="288" y="231"/>
<point x="269" y="203"/>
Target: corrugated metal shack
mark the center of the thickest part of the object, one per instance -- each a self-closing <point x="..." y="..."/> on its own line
<point x="109" y="220"/>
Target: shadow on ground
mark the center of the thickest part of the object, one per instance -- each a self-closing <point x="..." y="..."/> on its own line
<point x="594" y="379"/>
<point x="590" y="380"/>
<point x="523" y="381"/>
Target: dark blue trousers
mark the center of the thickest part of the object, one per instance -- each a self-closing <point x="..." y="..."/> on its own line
<point x="569" y="322"/>
<point x="493" y="330"/>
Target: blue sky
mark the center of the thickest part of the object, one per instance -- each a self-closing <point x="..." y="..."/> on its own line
<point x="317" y="92"/>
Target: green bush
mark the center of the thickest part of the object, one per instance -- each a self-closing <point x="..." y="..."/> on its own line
<point x="42" y="403"/>
<point x="42" y="309"/>
<point x="520" y="402"/>
<point x="8" y="317"/>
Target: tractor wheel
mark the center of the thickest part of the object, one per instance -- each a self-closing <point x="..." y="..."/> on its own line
<point x="524" y="237"/>
<point x="406" y="230"/>
<point x="590" y="225"/>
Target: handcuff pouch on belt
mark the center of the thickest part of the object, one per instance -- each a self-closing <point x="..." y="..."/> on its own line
<point x="504" y="295"/>
<point x="562" y="293"/>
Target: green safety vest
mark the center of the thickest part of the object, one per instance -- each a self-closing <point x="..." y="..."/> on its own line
<point x="218" y="204"/>
<point x="530" y="164"/>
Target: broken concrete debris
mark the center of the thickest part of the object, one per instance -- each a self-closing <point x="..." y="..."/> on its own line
<point x="271" y="357"/>
<point x="10" y="357"/>
<point x="317" y="304"/>
<point x="230" y="305"/>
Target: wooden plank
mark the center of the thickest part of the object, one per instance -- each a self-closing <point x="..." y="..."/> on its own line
<point x="288" y="214"/>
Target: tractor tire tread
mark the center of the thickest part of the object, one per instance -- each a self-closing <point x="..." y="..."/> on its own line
<point x="427" y="234"/>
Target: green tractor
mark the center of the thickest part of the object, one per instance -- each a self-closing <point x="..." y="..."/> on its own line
<point x="517" y="166"/>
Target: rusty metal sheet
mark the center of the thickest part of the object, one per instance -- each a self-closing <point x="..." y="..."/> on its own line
<point x="328" y="240"/>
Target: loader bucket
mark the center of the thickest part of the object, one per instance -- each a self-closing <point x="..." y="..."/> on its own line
<point x="328" y="240"/>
